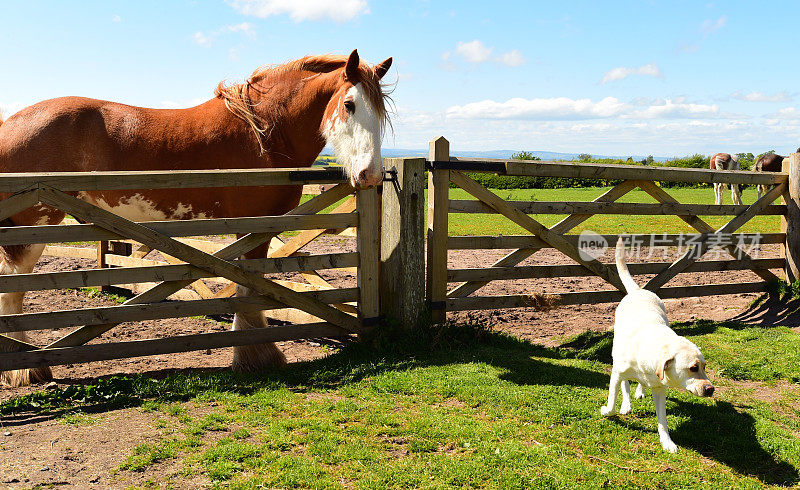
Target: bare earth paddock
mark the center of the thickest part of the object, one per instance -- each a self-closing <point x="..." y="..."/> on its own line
<point x="48" y="451"/>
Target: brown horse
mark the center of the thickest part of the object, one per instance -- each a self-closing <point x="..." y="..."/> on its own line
<point x="769" y="162"/>
<point x="282" y="116"/>
<point x="725" y="161"/>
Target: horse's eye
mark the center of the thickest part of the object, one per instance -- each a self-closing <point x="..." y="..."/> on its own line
<point x="350" y="106"/>
<point x="694" y="368"/>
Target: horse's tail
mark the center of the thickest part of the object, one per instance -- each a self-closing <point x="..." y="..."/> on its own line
<point x="622" y="268"/>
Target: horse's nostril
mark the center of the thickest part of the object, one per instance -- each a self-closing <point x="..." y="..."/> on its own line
<point x="708" y="391"/>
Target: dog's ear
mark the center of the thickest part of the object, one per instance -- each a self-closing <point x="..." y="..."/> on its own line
<point x="663" y="364"/>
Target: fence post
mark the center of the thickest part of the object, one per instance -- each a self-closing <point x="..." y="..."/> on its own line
<point x="791" y="224"/>
<point x="402" y="287"/>
<point x="368" y="242"/>
<point x="438" y="203"/>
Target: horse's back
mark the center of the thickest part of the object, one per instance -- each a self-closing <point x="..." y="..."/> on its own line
<point x="53" y="135"/>
<point x="769" y="163"/>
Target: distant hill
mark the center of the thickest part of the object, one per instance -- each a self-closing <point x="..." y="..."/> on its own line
<point x="544" y="155"/>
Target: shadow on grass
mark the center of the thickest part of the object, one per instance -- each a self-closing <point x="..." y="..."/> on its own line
<point x="719" y="432"/>
<point x="728" y="436"/>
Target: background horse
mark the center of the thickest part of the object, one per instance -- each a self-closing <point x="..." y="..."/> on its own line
<point x="725" y="161"/>
<point x="282" y="116"/>
<point x="769" y="162"/>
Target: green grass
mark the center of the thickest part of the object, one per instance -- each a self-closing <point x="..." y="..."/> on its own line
<point x="487" y="224"/>
<point x="458" y="407"/>
<point x="492" y="224"/>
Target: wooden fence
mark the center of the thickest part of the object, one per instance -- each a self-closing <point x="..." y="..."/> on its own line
<point x="393" y="278"/>
<point x="445" y="170"/>
<point x="332" y="307"/>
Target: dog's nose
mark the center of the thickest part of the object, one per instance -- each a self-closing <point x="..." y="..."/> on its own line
<point x="708" y="390"/>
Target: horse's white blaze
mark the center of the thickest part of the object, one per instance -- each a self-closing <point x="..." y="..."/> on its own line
<point x="139" y="208"/>
<point x="356" y="140"/>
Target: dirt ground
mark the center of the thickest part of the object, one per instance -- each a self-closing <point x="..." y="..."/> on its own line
<point x="49" y="452"/>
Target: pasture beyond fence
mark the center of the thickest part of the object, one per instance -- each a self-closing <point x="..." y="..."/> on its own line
<point x="394" y="279"/>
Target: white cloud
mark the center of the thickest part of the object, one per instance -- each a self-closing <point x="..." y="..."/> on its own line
<point x="205" y="39"/>
<point x="622" y="72"/>
<point x="301" y="10"/>
<point x="476" y="52"/>
<point x="707" y="28"/>
<point x="512" y="58"/>
<point x="761" y="97"/>
<point x="245" y="28"/>
<point x="564" y="108"/>
<point x="116" y="18"/>
<point x="473" y="51"/>
<point x="785" y="113"/>
<point x="201" y="39"/>
<point x="677" y="109"/>
<point x="710" y="26"/>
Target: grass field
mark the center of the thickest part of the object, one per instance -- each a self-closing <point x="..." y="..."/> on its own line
<point x="462" y="406"/>
<point x="492" y="224"/>
<point x="465" y="224"/>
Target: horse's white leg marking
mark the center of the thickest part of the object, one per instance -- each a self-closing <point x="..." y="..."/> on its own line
<point x="736" y="194"/>
<point x="718" y="190"/>
<point x="257" y="356"/>
<point x="12" y="303"/>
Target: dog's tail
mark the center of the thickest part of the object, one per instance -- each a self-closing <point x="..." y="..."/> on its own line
<point x="622" y="268"/>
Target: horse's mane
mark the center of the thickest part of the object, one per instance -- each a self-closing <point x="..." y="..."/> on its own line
<point x="237" y="96"/>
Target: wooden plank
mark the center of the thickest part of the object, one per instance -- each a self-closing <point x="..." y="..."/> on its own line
<point x="608" y="296"/>
<point x="87" y="212"/>
<point x="232" y="251"/>
<point x="551" y="271"/>
<point x="160" y="271"/>
<point x="792" y="247"/>
<point x="436" y="235"/>
<point x="20" y="235"/>
<point x="199" y="286"/>
<point x="170" y="179"/>
<point x="369" y="254"/>
<point x="524" y="252"/>
<point x="19" y="202"/>
<point x="70" y="252"/>
<point x="554" y="239"/>
<point x="668" y="208"/>
<point x="698" y="224"/>
<point x="155" y="311"/>
<point x="150" y="347"/>
<point x="581" y="170"/>
<point x="402" y="242"/>
<point x="658" y="240"/>
<point x="698" y="249"/>
<point x="303" y="238"/>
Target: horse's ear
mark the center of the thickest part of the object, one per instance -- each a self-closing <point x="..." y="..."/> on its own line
<point x="381" y="69"/>
<point x="351" y="73"/>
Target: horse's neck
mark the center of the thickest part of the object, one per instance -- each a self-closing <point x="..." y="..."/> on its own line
<point x="298" y="126"/>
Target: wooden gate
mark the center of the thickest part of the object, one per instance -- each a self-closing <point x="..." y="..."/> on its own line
<point x="329" y="305"/>
<point x="444" y="170"/>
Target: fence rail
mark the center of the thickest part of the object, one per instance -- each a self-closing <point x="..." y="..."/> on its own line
<point x="343" y="311"/>
<point x="445" y="171"/>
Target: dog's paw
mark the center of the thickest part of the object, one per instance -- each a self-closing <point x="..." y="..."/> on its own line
<point x="640" y="394"/>
<point x="625" y="409"/>
<point x="669" y="446"/>
<point x="606" y="411"/>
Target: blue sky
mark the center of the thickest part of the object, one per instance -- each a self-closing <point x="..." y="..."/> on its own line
<point x="665" y="78"/>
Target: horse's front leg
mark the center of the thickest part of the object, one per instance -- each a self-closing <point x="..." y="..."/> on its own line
<point x="257" y="356"/>
<point x="736" y="194"/>
<point x="20" y="259"/>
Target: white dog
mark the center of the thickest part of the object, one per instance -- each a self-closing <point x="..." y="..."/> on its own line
<point x="648" y="351"/>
